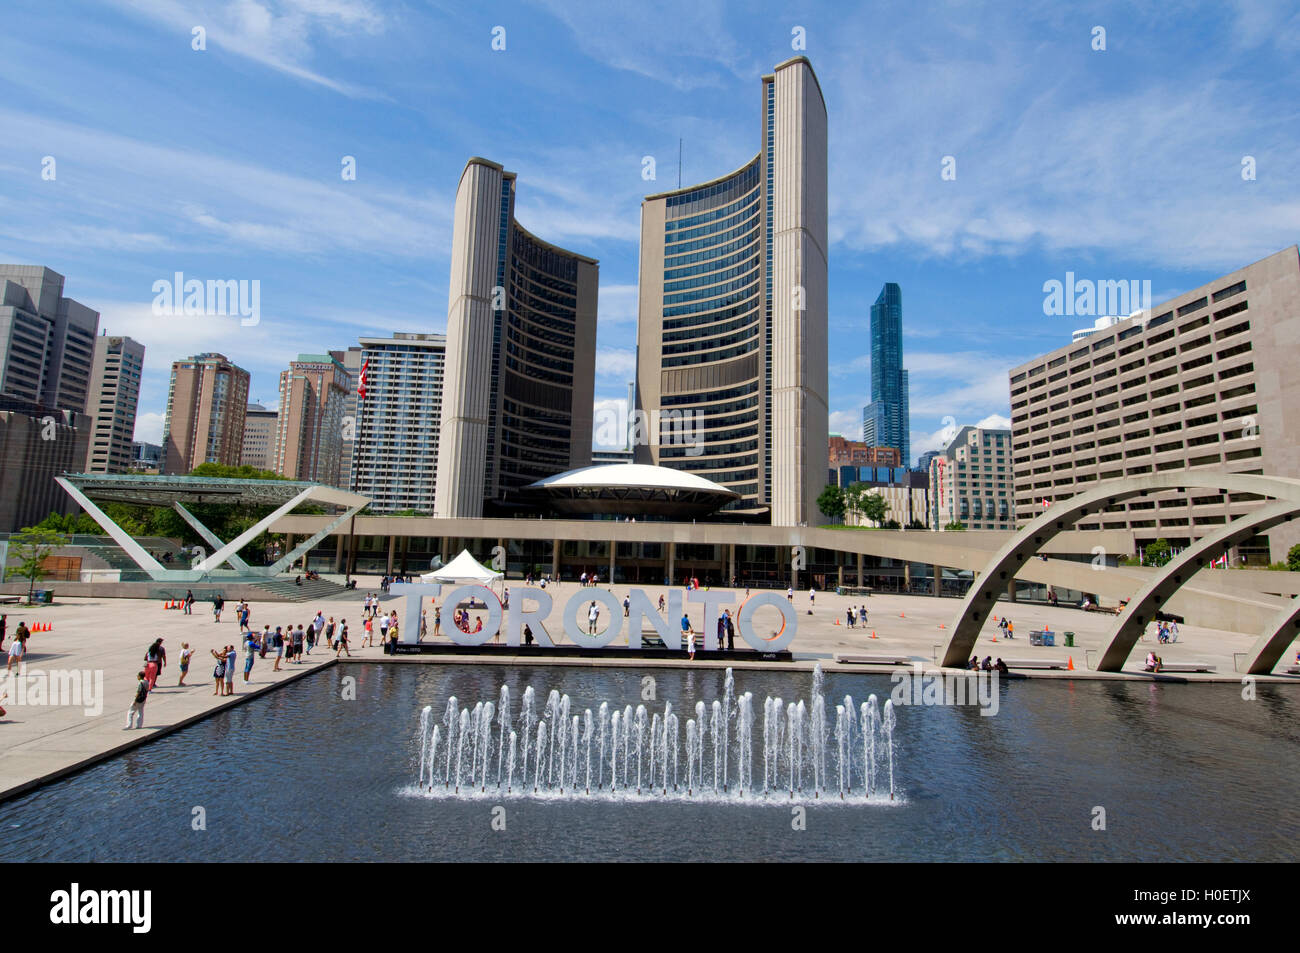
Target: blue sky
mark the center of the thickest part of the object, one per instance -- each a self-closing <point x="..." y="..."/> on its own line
<point x="1123" y="163"/>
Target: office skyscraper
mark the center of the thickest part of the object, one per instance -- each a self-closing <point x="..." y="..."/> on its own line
<point x="114" y="395"/>
<point x="521" y="351"/>
<point x="731" y="329"/>
<point x="47" y="341"/>
<point x="206" y="403"/>
<point x="260" y="425"/>
<point x="885" y="421"/>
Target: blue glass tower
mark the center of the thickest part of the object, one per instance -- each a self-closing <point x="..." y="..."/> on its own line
<point x="885" y="421"/>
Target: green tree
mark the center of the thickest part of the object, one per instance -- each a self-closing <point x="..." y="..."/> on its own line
<point x="31" y="546"/>
<point x="831" y="501"/>
<point x="71" y="523"/>
<point x="1293" y="558"/>
<point x="874" y="507"/>
<point x="956" y="526"/>
<point x="1158" y="553"/>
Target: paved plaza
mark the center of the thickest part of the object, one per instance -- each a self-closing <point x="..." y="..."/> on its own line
<point x="109" y="636"/>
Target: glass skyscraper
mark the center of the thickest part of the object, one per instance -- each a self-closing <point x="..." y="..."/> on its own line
<point x="885" y="420"/>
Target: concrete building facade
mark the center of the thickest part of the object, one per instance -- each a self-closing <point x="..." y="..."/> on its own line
<point x="842" y="452"/>
<point x="36" y="445"/>
<point x="731" y="328"/>
<point x="47" y="341"/>
<point x="259" y="437"/>
<point x="399" y="422"/>
<point x="114" y="396"/>
<point x="972" y="481"/>
<point x="521" y="352"/>
<point x="1204" y="380"/>
<point x="314" y="396"/>
<point x="206" y="403"/>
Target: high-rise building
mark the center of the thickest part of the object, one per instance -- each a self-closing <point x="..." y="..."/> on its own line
<point x="206" y="403"/>
<point x="521" y="351"/>
<point x="399" y="422"/>
<point x="351" y="361"/>
<point x="146" y="457"/>
<point x="114" y="396"/>
<point x="1205" y="380"/>
<point x="885" y="421"/>
<point x="731" y="328"/>
<point x="314" y="394"/>
<point x="37" y="443"/>
<point x="971" y="481"/>
<point x="258" y="448"/>
<point x="47" y="341"/>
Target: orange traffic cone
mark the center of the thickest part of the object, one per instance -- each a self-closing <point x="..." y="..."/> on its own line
<point x="995" y="618"/>
<point x="837" y="621"/>
<point x="995" y="638"/>
<point x="941" y="625"/>
<point x="1069" y="667"/>
<point x="901" y="616"/>
<point x="873" y="633"/>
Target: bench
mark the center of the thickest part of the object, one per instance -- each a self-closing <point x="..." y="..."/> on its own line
<point x="1185" y="667"/>
<point x="1294" y="670"/>
<point x="10" y="600"/>
<point x="652" y="640"/>
<point x="845" y="659"/>
<point x="1109" y="610"/>
<point x="1040" y="663"/>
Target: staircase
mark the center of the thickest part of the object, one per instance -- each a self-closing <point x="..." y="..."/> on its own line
<point x="284" y="589"/>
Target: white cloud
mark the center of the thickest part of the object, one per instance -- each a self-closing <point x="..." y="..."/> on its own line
<point x="616" y="362"/>
<point x="847" y="423"/>
<point x="618" y="304"/>
<point x="149" y="427"/>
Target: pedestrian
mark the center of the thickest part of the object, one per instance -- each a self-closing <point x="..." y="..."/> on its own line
<point x="722" y="631"/>
<point x="189" y="602"/>
<point x="18" y="647"/>
<point x="593" y="614"/>
<point x="135" y="713"/>
<point x="4" y="622"/>
<point x="331" y="640"/>
<point x="789" y="594"/>
<point x="368" y="626"/>
<point x="155" y="660"/>
<point x="311" y="635"/>
<point x="250" y="653"/>
<point x="218" y="671"/>
<point x="186" y="654"/>
<point x="231" y="658"/>
<point x="849" y="616"/>
<point x="812" y="599"/>
<point x="384" y="623"/>
<point x="627" y="606"/>
<point x="528" y="634"/>
<point x="218" y="604"/>
<point x="342" y="644"/>
<point x="661" y="602"/>
<point x="437" y="621"/>
<point x="689" y="634"/>
<point x="1011" y="630"/>
<point x="278" y="641"/>
<point x="424" y="624"/>
<point x="298" y="638"/>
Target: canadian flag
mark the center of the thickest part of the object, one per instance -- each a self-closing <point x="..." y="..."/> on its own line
<point x="361" y="384"/>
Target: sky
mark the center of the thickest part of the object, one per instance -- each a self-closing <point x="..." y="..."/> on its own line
<point x="976" y="152"/>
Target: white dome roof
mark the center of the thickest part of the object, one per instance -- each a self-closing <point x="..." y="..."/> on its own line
<point x="637" y="475"/>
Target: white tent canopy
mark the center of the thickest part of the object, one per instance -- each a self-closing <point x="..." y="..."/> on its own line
<point x="464" y="568"/>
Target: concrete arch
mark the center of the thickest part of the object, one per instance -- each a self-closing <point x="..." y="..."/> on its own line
<point x="1281" y="632"/>
<point x="1142" y="608"/>
<point x="1062" y="516"/>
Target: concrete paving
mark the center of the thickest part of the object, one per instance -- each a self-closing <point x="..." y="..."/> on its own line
<point x="106" y="639"/>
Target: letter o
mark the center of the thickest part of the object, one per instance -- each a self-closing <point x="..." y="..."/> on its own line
<point x="745" y="621"/>
<point x="581" y="600"/>
<point x="452" y="599"/>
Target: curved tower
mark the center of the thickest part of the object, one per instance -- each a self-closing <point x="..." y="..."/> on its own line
<point x="521" y="352"/>
<point x="731" y="348"/>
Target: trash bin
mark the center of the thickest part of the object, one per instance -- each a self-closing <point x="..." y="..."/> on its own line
<point x="47" y="597"/>
<point x="1069" y="640"/>
<point x="839" y="590"/>
<point x="38" y="596"/>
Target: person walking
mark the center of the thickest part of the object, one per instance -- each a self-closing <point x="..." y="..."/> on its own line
<point x="342" y="644"/>
<point x="437" y="621"/>
<point x="278" y="641"/>
<point x="152" y="663"/>
<point x="593" y="615"/>
<point x="218" y="604"/>
<point x="135" y="713"/>
<point x="812" y="600"/>
<point x="298" y="638"/>
<point x="18" y="647"/>
<point x="689" y="634"/>
<point x="189" y="602"/>
<point x="331" y="639"/>
<point x="722" y="631"/>
<point x="384" y="623"/>
<point x="849" y="616"/>
<point x="424" y="624"/>
<point x="627" y="606"/>
<point x="264" y="642"/>
<point x="186" y="654"/>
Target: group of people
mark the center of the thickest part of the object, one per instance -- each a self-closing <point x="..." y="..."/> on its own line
<point x="1008" y="628"/>
<point x="854" y="616"/>
<point x="589" y="579"/>
<point x="18" y="647"/>
<point x="988" y="665"/>
<point x="1166" y="632"/>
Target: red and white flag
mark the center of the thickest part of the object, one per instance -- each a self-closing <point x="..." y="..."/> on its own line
<point x="361" y="384"/>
